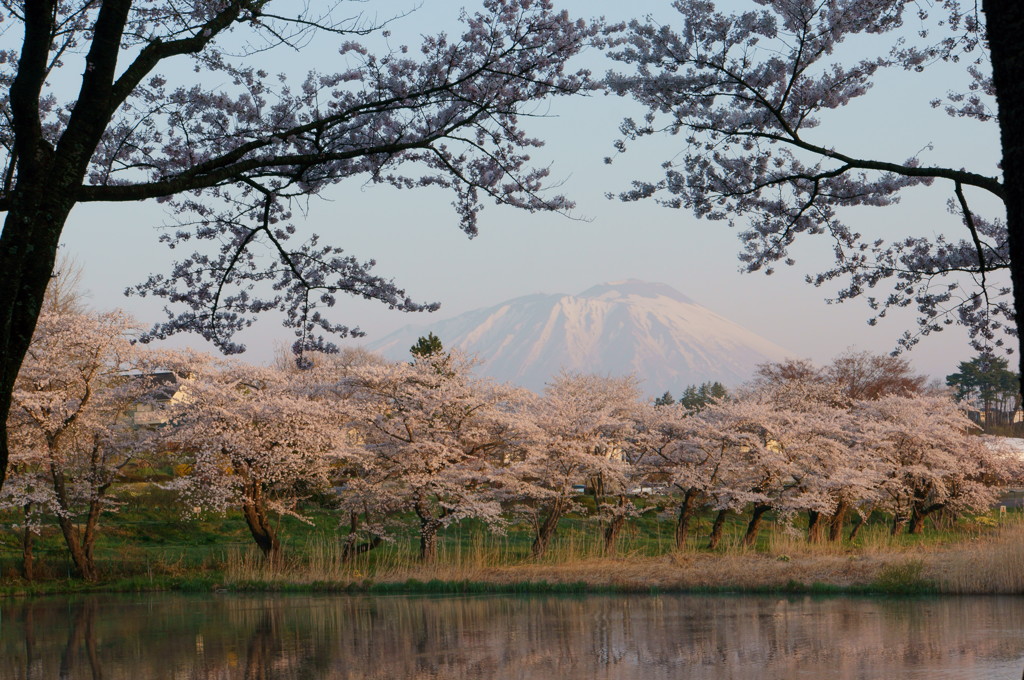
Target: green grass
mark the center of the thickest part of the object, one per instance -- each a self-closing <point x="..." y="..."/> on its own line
<point x="904" y="579"/>
<point x="147" y="545"/>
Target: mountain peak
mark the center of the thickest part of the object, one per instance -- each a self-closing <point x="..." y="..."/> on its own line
<point x="635" y="288"/>
<point x="616" y="328"/>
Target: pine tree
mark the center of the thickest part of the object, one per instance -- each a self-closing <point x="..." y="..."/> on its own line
<point x="665" y="400"/>
<point x="427" y="346"/>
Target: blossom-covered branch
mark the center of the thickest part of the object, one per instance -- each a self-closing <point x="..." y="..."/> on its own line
<point x="229" y="145"/>
<point x="748" y="91"/>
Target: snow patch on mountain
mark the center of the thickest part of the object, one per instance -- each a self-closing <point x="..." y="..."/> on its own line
<point x="648" y="329"/>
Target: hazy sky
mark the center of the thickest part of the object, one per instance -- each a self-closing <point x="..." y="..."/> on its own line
<point x="413" y="235"/>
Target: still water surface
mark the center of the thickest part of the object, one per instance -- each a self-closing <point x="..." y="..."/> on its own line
<point x="274" y="637"/>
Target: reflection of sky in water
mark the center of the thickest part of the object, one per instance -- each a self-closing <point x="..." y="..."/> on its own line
<point x="339" y="637"/>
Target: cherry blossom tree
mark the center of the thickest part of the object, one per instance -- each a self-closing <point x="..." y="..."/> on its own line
<point x="256" y="439"/>
<point x="783" y="453"/>
<point x="585" y="422"/>
<point x="71" y="426"/>
<point x="678" y="451"/>
<point x="128" y="100"/>
<point x="431" y="439"/>
<point x="749" y="93"/>
<point x="930" y="459"/>
<point x="802" y="386"/>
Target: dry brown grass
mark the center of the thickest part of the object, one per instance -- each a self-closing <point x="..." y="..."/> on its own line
<point x="993" y="565"/>
<point x="992" y="562"/>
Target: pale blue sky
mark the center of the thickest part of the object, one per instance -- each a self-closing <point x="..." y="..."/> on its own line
<point x="413" y="235"/>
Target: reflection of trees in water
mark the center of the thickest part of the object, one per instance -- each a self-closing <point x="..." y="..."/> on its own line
<point x="306" y="637"/>
<point x="81" y="633"/>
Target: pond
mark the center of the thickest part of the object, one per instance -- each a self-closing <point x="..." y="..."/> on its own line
<point x="292" y="637"/>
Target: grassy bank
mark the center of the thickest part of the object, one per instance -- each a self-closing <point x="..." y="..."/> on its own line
<point x="992" y="563"/>
<point x="148" y="548"/>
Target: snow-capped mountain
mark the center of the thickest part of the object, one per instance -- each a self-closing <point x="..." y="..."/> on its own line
<point x="648" y="329"/>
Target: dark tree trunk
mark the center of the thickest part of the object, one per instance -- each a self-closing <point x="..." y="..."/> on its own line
<point x="916" y="524"/>
<point x="429" y="526"/>
<point x="1004" y="24"/>
<point x="611" y="532"/>
<point x="79" y="543"/>
<point x="84" y="568"/>
<point x="685" y="514"/>
<point x="815" y="526"/>
<point x="28" y="249"/>
<point x="256" y="519"/>
<point x="716" y="529"/>
<point x="898" y="521"/>
<point x="919" y="515"/>
<point x="428" y="541"/>
<point x="546" y="530"/>
<point x="750" y="538"/>
<point x="362" y="548"/>
<point x="352" y="546"/>
<point x="837" y="521"/>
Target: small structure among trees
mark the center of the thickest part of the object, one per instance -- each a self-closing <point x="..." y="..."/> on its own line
<point x="988" y="385"/>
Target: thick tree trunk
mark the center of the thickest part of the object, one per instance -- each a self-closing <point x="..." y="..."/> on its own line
<point x="716" y="529"/>
<point x="898" y="521"/>
<point x="754" y="526"/>
<point x="428" y="541"/>
<point x="79" y="544"/>
<point x="28" y="250"/>
<point x="256" y="519"/>
<point x="546" y="530"/>
<point x="611" y="532"/>
<point x="685" y="515"/>
<point x="1004" y="24"/>
<point x="836" y="522"/>
<point x="429" y="526"/>
<point x="916" y="524"/>
<point x="919" y="515"/>
<point x="815" y="526"/>
<point x="84" y="567"/>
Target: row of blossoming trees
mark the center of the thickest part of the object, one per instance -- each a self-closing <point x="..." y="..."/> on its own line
<point x="428" y="442"/>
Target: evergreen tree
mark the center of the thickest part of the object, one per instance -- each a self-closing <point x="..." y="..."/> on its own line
<point x="427" y="346"/>
<point x="987" y="381"/>
<point x="665" y="400"/>
<point x="698" y="397"/>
